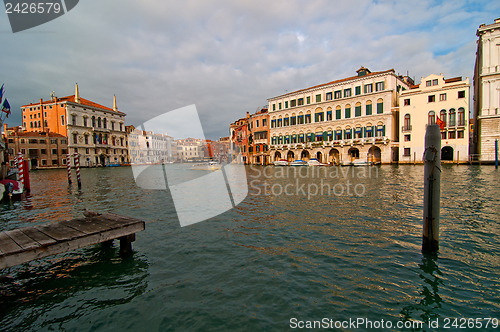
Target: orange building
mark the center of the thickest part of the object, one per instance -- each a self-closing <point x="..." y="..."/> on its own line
<point x="94" y="131"/>
<point x="258" y="139"/>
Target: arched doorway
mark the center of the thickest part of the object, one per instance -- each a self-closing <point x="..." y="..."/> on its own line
<point x="319" y="156"/>
<point x="277" y="156"/>
<point x="374" y="154"/>
<point x="334" y="156"/>
<point x="290" y="156"/>
<point x="447" y="153"/>
<point x="305" y="155"/>
<point x="353" y="153"/>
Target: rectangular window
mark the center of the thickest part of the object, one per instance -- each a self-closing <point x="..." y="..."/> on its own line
<point x="43" y="151"/>
<point x="338" y="112"/>
<point x="407" y="102"/>
<point x="318" y="98"/>
<point x="443" y="135"/>
<point x="368" y="88"/>
<point x="308" y="100"/>
<point x="407" y="152"/>
<point x="279" y="105"/>
<point x="368" y="109"/>
<point x="435" y="81"/>
<point x="460" y="134"/>
<point x="357" y="111"/>
<point x="293" y="103"/>
<point x="54" y="161"/>
<point x="431" y="98"/>
<point x="257" y="123"/>
<point x="286" y="104"/>
<point x="442" y="97"/>
<point x="347" y="93"/>
<point x="451" y="135"/>
<point x="428" y="83"/>
<point x="407" y="138"/>
<point x="379" y="86"/>
<point x="461" y="94"/>
<point x="380" y="108"/>
<point x="264" y="122"/>
<point x="62" y="120"/>
<point x="347" y="112"/>
<point x="274" y="107"/>
<point x="357" y="90"/>
<point x="54" y="151"/>
<point x="300" y="101"/>
<point x="338" y="94"/>
<point x="329" y="116"/>
<point x="328" y="96"/>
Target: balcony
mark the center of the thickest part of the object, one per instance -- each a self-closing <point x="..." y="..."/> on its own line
<point x="405" y="129"/>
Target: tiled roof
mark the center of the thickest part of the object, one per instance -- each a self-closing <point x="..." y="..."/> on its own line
<point x="71" y="99"/>
<point x="337" y="81"/>
<point x="35" y="134"/>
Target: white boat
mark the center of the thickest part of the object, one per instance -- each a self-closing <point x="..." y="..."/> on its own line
<point x="281" y="162"/>
<point x="210" y="166"/>
<point x="359" y="162"/>
<point x="298" y="162"/>
<point x="315" y="162"/>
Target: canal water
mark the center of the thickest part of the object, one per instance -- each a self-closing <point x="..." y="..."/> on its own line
<point x="303" y="246"/>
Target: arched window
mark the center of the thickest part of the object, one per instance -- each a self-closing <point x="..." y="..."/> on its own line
<point x="338" y="112"/>
<point x="93" y="121"/>
<point x="442" y="116"/>
<point x="368" y="107"/>
<point x="431" y="118"/>
<point x="452" y="117"/>
<point x="407" y="123"/>
<point x="98" y="122"/>
<point x="380" y="106"/>
<point x="461" y="116"/>
<point x="104" y="123"/>
<point x="357" y="109"/>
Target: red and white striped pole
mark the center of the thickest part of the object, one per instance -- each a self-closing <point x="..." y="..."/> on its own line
<point x="68" y="163"/>
<point x="21" y="168"/>
<point x="77" y="165"/>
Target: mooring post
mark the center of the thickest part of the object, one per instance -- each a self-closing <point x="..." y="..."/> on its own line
<point x="432" y="188"/>
<point x="496" y="153"/>
<point x="126" y="243"/>
<point x="68" y="164"/>
<point x="77" y="165"/>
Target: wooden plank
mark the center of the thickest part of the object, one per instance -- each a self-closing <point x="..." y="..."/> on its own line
<point x="38" y="236"/>
<point x="59" y="232"/>
<point x="64" y="246"/>
<point x="22" y="239"/>
<point x="92" y="225"/>
<point x="7" y="245"/>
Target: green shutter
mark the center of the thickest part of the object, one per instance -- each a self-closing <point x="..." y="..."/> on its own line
<point x="380" y="108"/>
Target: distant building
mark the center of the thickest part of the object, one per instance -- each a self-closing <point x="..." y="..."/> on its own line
<point x="435" y="98"/>
<point x="95" y="131"/>
<point x="190" y="149"/>
<point x="258" y="139"/>
<point x="346" y="119"/>
<point x="43" y="149"/>
<point x="487" y="91"/>
<point x="238" y="133"/>
<point x="146" y="147"/>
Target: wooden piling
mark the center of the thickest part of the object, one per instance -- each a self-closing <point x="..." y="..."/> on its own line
<point x="26" y="176"/>
<point x="432" y="188"/>
<point x="68" y="164"/>
<point x="77" y="166"/>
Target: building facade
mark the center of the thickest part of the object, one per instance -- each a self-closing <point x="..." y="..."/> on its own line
<point x="43" y="149"/>
<point x="238" y="133"/>
<point x="146" y="147"/>
<point x="258" y="138"/>
<point x="190" y="150"/>
<point x="347" y="119"/>
<point x="487" y="91"/>
<point x="94" y="131"/>
<point x="435" y="98"/>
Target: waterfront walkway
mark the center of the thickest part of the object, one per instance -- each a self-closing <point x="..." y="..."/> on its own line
<point x="22" y="245"/>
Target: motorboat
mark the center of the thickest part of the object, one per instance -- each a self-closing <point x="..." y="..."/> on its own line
<point x="359" y="162"/>
<point x="281" y="162"/>
<point x="210" y="166"/>
<point x="315" y="162"/>
<point x="298" y="162"/>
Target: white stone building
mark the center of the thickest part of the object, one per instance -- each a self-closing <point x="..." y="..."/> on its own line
<point x="435" y="98"/>
<point x="487" y="91"/>
<point x="347" y="119"/>
<point x="146" y="147"/>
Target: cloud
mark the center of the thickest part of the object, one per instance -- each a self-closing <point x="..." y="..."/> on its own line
<point x="228" y="57"/>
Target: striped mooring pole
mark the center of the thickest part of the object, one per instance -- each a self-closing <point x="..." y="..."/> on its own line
<point x="20" y="166"/>
<point x="77" y="165"/>
<point x="68" y="163"/>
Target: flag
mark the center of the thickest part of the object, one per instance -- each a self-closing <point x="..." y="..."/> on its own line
<point x="6" y="107"/>
<point x="1" y="93"/>
<point x="440" y="123"/>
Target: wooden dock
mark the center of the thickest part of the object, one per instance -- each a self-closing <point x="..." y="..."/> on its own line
<point x="22" y="245"/>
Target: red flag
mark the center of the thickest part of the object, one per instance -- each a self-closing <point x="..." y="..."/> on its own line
<point x="440" y="123"/>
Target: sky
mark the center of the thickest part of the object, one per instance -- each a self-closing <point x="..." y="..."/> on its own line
<point x="228" y="57"/>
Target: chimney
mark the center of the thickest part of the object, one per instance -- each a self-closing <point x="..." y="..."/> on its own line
<point x="77" y="95"/>
<point x="248" y="115"/>
<point x="115" y="108"/>
<point x="5" y="129"/>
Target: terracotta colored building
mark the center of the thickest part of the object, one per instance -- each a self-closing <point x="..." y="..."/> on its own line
<point x="239" y="139"/>
<point x="43" y="149"/>
<point x="258" y="139"/>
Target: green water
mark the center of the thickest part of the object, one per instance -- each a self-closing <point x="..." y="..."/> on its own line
<point x="273" y="258"/>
